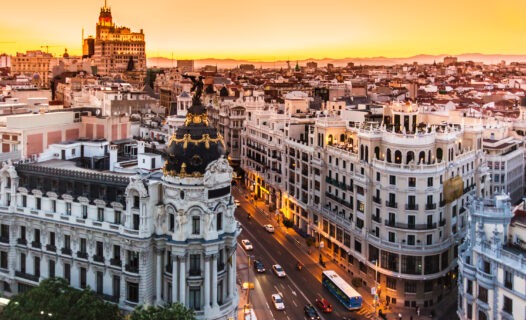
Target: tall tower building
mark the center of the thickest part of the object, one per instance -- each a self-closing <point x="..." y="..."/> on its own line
<point x="115" y="47"/>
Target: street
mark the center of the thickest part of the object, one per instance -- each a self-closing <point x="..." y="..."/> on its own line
<point x="298" y="288"/>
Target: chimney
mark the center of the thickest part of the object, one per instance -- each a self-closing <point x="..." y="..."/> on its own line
<point x="113" y="156"/>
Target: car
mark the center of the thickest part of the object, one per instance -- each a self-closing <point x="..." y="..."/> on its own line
<point x="269" y="228"/>
<point x="278" y="301"/>
<point x="310" y="312"/>
<point x="323" y="305"/>
<point x="247" y="245"/>
<point x="258" y="265"/>
<point x="237" y="203"/>
<point x="278" y="270"/>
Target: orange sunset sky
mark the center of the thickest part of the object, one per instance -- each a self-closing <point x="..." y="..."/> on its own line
<point x="268" y="30"/>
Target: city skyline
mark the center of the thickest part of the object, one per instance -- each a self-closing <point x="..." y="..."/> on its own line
<point x="272" y="30"/>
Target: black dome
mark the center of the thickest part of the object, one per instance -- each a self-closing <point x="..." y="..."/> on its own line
<point x="194" y="145"/>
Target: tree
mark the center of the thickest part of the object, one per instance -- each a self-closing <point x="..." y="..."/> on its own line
<point x="167" y="312"/>
<point x="54" y="298"/>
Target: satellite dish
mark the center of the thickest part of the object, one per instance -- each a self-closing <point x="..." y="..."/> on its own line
<point x="97" y="112"/>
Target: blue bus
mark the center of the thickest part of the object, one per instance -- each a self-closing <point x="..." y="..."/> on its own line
<point x="347" y="295"/>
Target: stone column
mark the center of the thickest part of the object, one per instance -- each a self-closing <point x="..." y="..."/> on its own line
<point x="207" y="282"/>
<point x="174" y="277"/>
<point x="232" y="276"/>
<point x="182" y="279"/>
<point x="214" y="280"/>
<point x="158" y="277"/>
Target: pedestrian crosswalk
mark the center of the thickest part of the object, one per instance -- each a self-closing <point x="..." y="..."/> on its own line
<point x="367" y="313"/>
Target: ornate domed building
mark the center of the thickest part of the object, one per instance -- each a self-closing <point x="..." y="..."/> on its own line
<point x="198" y="230"/>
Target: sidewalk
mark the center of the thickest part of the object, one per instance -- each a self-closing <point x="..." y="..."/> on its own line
<point x="442" y="310"/>
<point x="257" y="300"/>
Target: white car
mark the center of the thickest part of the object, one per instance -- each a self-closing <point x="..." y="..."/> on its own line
<point x="237" y="203"/>
<point x="278" y="270"/>
<point x="269" y="228"/>
<point x="278" y="301"/>
<point x="247" y="245"/>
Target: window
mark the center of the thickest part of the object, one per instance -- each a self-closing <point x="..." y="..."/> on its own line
<point x="508" y="280"/>
<point x="116" y="286"/>
<point x="428" y="285"/>
<point x="483" y="294"/>
<point x="68" y="208"/>
<point x="429" y="239"/>
<point x="196" y="228"/>
<point x="219" y="221"/>
<point x="100" y="286"/>
<point x="117" y="217"/>
<point x="84" y="211"/>
<point x="39" y="203"/>
<point x="412" y="182"/>
<point x="378" y="176"/>
<point x="195" y="265"/>
<point x="3" y="260"/>
<point x="100" y="214"/>
<point x="136" y="202"/>
<point x="194" y="298"/>
<point x="51" y="268"/>
<point x="430" y="181"/>
<point x="357" y="246"/>
<point x="83" y="277"/>
<point x="23" y="233"/>
<point x="392" y="180"/>
<point x="83" y="245"/>
<point x="67" y="242"/>
<point x="469" y="311"/>
<point x="4" y="233"/>
<point x="391" y="283"/>
<point x="54" y="205"/>
<point x="116" y="252"/>
<point x="24" y="201"/>
<point x="469" y="287"/>
<point x="410" y="286"/>
<point x="22" y="263"/>
<point x="359" y="223"/>
<point x="136" y="221"/>
<point x="52" y="238"/>
<point x="508" y="305"/>
<point x="132" y="292"/>
<point x="67" y="272"/>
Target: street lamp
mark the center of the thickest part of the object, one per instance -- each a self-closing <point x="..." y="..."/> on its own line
<point x="375" y="291"/>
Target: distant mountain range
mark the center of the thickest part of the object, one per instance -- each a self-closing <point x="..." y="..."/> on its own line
<point x="421" y="58"/>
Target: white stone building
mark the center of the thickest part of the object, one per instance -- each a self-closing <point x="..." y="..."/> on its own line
<point x="133" y="238"/>
<point x="492" y="267"/>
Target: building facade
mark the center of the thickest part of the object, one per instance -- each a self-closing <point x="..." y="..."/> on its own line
<point x="492" y="268"/>
<point x="387" y="201"/>
<point x="149" y="238"/>
<point x="34" y="64"/>
<point x="117" y="49"/>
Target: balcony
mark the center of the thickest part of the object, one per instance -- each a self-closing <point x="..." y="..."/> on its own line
<point x="391" y="204"/>
<point x="82" y="255"/>
<point x="431" y="206"/>
<point x="26" y="276"/>
<point x="132" y="268"/>
<point x="376" y="218"/>
<point x="411" y="206"/>
<point x="66" y="251"/>
<point x="220" y="266"/>
<point x="194" y="273"/>
<point x="442" y="223"/>
<point x="168" y="268"/>
<point x="116" y="262"/>
<point x="4" y="239"/>
<point x="21" y="241"/>
<point x="98" y="258"/>
<point x="410" y="226"/>
<point x="36" y="244"/>
<point x="377" y="200"/>
<point x="51" y="247"/>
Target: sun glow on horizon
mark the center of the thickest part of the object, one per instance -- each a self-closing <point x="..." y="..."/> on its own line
<point x="276" y="30"/>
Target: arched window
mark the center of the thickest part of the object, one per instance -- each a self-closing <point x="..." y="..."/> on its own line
<point x="366" y="153"/>
<point x="342" y="137"/>
<point x="351" y="142"/>
<point x="377" y="153"/>
<point x="388" y="155"/>
<point x="410" y="157"/>
<point x="398" y="156"/>
<point x="330" y="139"/>
<point x="440" y="154"/>
<point x="422" y="157"/>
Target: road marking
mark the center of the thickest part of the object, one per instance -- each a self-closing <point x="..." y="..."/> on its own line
<point x="294" y="301"/>
<point x="294" y="292"/>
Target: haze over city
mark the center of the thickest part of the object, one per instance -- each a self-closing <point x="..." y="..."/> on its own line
<point x="273" y="30"/>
